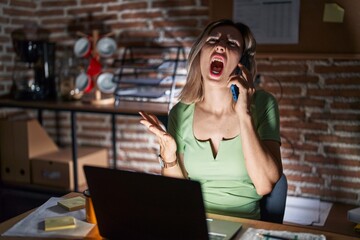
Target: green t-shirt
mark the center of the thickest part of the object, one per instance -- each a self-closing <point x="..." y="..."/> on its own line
<point x="226" y="185"/>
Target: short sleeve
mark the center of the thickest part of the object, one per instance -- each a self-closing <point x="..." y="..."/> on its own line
<point x="174" y="126"/>
<point x="266" y="118"/>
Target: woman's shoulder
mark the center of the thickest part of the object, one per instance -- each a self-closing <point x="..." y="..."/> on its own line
<point x="181" y="108"/>
<point x="261" y="96"/>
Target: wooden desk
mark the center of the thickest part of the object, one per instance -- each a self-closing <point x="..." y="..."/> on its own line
<point x="337" y="221"/>
<point x="247" y="223"/>
<point x="123" y="108"/>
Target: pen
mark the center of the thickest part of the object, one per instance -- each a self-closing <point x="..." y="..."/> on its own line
<point x="268" y="236"/>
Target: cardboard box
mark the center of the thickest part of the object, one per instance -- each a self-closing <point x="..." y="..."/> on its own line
<point x="56" y="169"/>
<point x="20" y="140"/>
<point x="353" y="215"/>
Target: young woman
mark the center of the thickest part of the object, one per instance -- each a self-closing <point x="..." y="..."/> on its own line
<point x="231" y="147"/>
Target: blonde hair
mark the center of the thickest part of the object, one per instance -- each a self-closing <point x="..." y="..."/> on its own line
<point x="193" y="90"/>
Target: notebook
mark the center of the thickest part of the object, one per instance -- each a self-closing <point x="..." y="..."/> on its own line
<point x="133" y="205"/>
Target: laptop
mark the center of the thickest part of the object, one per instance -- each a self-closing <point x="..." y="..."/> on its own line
<point x="134" y="205"/>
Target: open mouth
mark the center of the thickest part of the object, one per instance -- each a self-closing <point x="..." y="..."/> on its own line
<point x="216" y="66"/>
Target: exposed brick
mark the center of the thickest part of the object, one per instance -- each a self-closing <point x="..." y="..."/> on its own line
<point x="318" y="159"/>
<point x="305" y="178"/>
<point x="139" y="34"/>
<point x="335" y="116"/>
<point x="83" y="10"/>
<point x="18" y="12"/>
<point x="291" y="188"/>
<point x="337" y="172"/>
<point x="334" y="92"/>
<point x="303" y="79"/>
<point x="319" y="114"/>
<point x="345" y="184"/>
<point x="182" y="33"/>
<point x="302" y="68"/>
<point x="192" y="12"/>
<point x="343" y="81"/>
<point x="58" y="3"/>
<point x="173" y="3"/>
<point x="292" y="113"/>
<point x="345" y="105"/>
<point x="128" y="25"/>
<point x="128" y="6"/>
<point x="294" y="136"/>
<point x="297" y="167"/>
<point x="142" y="15"/>
<point x="4" y="20"/>
<point x="302" y="102"/>
<point x="337" y="69"/>
<point x="174" y="23"/>
<point x="329" y="193"/>
<point x="288" y="90"/>
<point x="85" y="2"/>
<point x="342" y="150"/>
<point x="50" y="12"/>
<point x="91" y="136"/>
<point x="347" y="128"/>
<point x="305" y="125"/>
<point x="326" y="138"/>
<point x="25" y="4"/>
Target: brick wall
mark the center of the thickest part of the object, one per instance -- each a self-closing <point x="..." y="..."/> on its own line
<point x="319" y="96"/>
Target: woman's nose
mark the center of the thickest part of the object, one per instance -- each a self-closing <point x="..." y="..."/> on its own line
<point x="220" y="48"/>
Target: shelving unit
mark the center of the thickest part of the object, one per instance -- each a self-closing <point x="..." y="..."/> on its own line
<point x="149" y="73"/>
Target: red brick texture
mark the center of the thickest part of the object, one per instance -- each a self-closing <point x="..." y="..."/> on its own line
<point x="319" y="97"/>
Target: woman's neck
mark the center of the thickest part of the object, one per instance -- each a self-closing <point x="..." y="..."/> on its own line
<point x="217" y="100"/>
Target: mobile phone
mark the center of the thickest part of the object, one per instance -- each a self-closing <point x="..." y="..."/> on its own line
<point x="234" y="89"/>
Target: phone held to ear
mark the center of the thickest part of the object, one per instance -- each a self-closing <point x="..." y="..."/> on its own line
<point x="234" y="88"/>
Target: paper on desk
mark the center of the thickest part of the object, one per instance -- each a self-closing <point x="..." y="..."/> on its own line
<point x="325" y="208"/>
<point x="252" y="233"/>
<point x="33" y="224"/>
<point x="306" y="211"/>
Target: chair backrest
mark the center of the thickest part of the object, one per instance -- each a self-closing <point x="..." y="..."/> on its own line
<point x="272" y="205"/>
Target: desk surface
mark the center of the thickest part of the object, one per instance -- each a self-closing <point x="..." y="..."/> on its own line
<point x="247" y="223"/>
<point x="124" y="107"/>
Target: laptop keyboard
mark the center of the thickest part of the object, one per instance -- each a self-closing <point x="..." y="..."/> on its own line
<point x="215" y="236"/>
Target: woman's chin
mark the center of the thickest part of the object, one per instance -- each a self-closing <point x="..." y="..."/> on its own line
<point x="214" y="76"/>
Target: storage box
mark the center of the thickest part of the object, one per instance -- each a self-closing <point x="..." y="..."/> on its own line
<point x="353" y="215"/>
<point x="56" y="169"/>
<point x="20" y="140"/>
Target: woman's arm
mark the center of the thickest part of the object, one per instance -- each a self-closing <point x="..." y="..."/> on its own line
<point x="178" y="170"/>
<point x="262" y="158"/>
<point x="167" y="146"/>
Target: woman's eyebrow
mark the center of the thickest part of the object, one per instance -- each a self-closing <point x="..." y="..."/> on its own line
<point x="233" y="40"/>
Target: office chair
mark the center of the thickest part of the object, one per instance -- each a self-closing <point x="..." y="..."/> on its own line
<point x="272" y="205"/>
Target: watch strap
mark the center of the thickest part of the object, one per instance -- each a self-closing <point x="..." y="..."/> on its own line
<point x="164" y="164"/>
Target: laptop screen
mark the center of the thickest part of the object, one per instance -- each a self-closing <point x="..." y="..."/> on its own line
<point x="133" y="205"/>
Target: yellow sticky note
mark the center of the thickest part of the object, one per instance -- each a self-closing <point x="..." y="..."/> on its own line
<point x="72" y="204"/>
<point x="59" y="223"/>
<point x="333" y="13"/>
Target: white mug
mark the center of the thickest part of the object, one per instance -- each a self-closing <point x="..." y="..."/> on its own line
<point x="105" y="84"/>
<point x="82" y="47"/>
<point x="106" y="47"/>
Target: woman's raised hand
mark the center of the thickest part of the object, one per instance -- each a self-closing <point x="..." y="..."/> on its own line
<point x="244" y="82"/>
<point x="166" y="141"/>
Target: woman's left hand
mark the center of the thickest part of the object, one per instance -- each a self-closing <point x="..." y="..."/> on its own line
<point x="167" y="142"/>
<point x="245" y="83"/>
